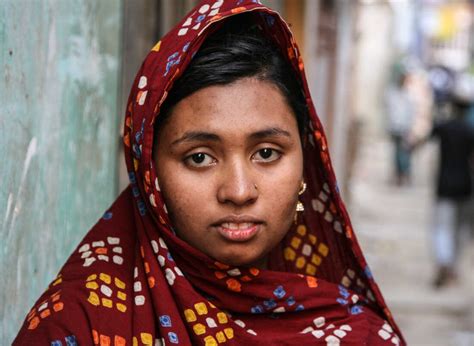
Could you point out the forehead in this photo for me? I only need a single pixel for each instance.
(245, 105)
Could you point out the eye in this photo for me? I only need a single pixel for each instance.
(266, 155)
(199, 160)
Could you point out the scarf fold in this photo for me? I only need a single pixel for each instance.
(132, 281)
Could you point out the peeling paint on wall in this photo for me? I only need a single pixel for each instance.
(59, 86)
(10, 221)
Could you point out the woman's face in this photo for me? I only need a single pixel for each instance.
(230, 164)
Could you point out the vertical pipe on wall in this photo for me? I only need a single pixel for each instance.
(311, 22)
(342, 100)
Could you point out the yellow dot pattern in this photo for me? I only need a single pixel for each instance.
(57, 281)
(316, 260)
(146, 338)
(295, 242)
(93, 298)
(107, 302)
(201, 308)
(305, 251)
(323, 249)
(229, 332)
(289, 254)
(311, 269)
(189, 315)
(119, 283)
(220, 337)
(300, 262)
(301, 230)
(100, 285)
(202, 317)
(199, 328)
(210, 341)
(121, 307)
(105, 278)
(222, 318)
(92, 285)
(157, 47)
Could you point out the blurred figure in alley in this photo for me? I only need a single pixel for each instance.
(399, 221)
(452, 211)
(400, 110)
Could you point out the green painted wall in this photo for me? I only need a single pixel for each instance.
(59, 119)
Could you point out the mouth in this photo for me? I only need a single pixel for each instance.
(238, 229)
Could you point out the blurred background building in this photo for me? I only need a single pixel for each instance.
(67, 67)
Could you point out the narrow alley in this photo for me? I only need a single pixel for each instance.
(392, 224)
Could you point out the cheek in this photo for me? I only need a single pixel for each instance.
(284, 198)
(283, 204)
(179, 216)
(182, 210)
(184, 199)
(287, 178)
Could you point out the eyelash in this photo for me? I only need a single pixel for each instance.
(273, 151)
(189, 159)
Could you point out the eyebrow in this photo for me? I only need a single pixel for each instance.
(202, 136)
(197, 136)
(270, 132)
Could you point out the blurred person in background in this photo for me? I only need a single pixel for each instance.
(452, 210)
(400, 111)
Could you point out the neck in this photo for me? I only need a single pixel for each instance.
(261, 263)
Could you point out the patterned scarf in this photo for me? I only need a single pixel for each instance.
(132, 281)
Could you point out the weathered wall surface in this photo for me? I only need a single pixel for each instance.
(60, 75)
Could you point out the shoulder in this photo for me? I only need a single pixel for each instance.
(57, 318)
(79, 306)
(90, 296)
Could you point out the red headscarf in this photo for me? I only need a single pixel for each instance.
(131, 281)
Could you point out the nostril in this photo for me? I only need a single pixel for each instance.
(238, 194)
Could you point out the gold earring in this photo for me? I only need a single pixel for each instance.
(299, 205)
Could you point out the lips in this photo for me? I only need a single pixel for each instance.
(238, 228)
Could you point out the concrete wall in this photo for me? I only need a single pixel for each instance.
(59, 118)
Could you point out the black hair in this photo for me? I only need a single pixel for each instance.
(238, 49)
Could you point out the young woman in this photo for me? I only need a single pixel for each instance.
(232, 230)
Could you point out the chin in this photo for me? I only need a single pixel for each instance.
(241, 259)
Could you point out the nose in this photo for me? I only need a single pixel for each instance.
(237, 186)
